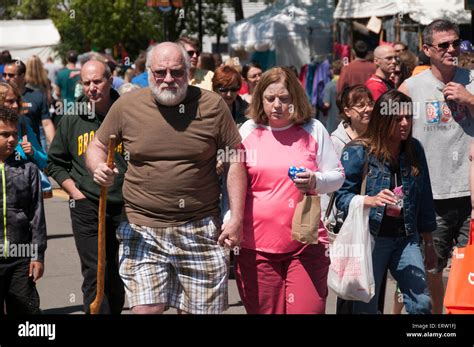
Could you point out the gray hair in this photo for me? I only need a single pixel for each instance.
(438, 25)
(184, 54)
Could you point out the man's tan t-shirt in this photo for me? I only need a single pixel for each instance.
(171, 151)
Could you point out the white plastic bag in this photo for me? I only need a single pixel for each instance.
(351, 275)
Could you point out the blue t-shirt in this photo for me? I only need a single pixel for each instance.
(35, 107)
(141, 79)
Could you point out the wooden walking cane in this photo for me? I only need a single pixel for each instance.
(95, 306)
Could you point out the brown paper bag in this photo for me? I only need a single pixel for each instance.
(306, 218)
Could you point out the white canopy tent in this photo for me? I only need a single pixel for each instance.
(421, 11)
(24, 38)
(296, 30)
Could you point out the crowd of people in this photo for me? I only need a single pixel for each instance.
(201, 173)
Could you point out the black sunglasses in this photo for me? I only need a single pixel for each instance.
(191, 53)
(6, 74)
(225, 90)
(445, 45)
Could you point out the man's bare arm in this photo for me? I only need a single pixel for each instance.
(237, 189)
(70, 187)
(96, 153)
(96, 157)
(49, 130)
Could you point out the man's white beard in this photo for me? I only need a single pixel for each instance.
(169, 97)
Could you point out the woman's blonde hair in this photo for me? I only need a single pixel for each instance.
(7, 86)
(300, 108)
(36, 74)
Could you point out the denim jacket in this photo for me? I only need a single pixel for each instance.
(418, 206)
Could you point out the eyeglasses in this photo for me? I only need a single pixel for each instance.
(445, 45)
(192, 53)
(162, 73)
(230, 89)
(363, 107)
(6, 74)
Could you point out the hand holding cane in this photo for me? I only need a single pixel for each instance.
(95, 306)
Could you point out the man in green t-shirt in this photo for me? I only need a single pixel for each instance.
(67, 79)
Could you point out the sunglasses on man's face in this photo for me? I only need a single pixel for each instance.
(231, 89)
(445, 45)
(192, 53)
(6, 74)
(162, 73)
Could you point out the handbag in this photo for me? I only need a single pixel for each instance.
(351, 274)
(305, 223)
(332, 223)
(459, 297)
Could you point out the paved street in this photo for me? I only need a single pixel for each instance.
(60, 288)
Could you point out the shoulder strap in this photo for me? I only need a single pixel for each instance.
(330, 205)
(363, 187)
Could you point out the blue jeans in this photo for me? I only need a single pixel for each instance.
(403, 257)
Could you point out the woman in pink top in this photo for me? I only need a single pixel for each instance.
(275, 274)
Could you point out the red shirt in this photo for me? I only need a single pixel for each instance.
(356, 72)
(378, 86)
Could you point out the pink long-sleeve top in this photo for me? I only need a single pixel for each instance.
(271, 195)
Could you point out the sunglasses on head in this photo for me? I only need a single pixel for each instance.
(445, 45)
(225, 90)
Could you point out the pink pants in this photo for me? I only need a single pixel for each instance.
(289, 283)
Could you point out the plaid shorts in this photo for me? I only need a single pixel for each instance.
(181, 266)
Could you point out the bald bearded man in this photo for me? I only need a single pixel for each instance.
(172, 244)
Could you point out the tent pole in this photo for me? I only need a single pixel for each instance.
(351, 33)
(397, 28)
(472, 26)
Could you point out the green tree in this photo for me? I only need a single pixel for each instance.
(95, 25)
(25, 9)
(215, 23)
(213, 19)
(99, 24)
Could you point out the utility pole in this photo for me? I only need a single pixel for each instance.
(238, 9)
(469, 6)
